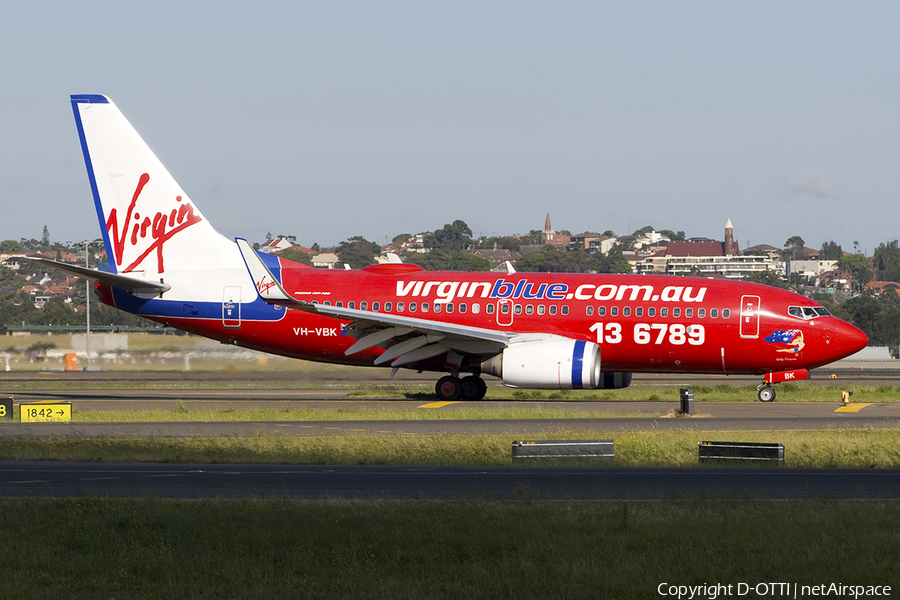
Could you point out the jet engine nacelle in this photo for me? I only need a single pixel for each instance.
(548, 362)
(614, 380)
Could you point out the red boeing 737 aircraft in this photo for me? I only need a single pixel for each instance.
(546, 331)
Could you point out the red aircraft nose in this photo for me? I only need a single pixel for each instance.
(849, 339)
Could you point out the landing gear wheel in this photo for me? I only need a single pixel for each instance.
(448, 388)
(473, 387)
(766, 394)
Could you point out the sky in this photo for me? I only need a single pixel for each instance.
(327, 120)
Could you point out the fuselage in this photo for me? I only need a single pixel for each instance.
(641, 323)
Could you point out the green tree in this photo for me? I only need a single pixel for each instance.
(296, 256)
(11, 246)
(358, 252)
(795, 248)
(767, 277)
(830, 251)
(400, 239)
(452, 236)
(449, 260)
(45, 237)
(674, 236)
(887, 262)
(859, 268)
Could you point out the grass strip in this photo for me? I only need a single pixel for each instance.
(830, 448)
(351, 413)
(421, 549)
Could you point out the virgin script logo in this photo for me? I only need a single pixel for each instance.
(263, 286)
(160, 228)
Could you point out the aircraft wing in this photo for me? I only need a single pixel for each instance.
(405, 339)
(133, 284)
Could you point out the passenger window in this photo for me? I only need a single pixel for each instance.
(664, 312)
(589, 311)
(726, 313)
(676, 312)
(517, 309)
(376, 306)
(639, 311)
(462, 307)
(339, 304)
(504, 308)
(714, 313)
(327, 303)
(626, 312)
(437, 307)
(529, 309)
(601, 311)
(400, 307)
(424, 307)
(614, 311)
(701, 312)
(449, 308)
(476, 308)
(351, 304)
(490, 309)
(388, 306)
(689, 313)
(540, 309)
(364, 306)
(412, 307)
(565, 309)
(552, 309)
(651, 312)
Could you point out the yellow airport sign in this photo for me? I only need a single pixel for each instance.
(46, 413)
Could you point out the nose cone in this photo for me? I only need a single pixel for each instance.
(850, 339)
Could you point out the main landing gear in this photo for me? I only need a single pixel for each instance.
(452, 388)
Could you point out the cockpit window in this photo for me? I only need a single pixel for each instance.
(808, 312)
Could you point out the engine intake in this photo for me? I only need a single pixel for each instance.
(549, 362)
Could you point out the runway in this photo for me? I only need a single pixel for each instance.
(60, 479)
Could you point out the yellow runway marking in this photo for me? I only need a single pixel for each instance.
(853, 407)
(437, 404)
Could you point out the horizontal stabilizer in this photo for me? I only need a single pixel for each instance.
(122, 282)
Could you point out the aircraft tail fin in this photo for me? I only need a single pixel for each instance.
(148, 223)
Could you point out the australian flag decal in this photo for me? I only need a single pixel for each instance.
(788, 337)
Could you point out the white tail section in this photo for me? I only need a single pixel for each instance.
(149, 224)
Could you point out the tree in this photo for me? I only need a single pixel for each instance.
(449, 260)
(453, 236)
(45, 238)
(400, 239)
(767, 277)
(887, 262)
(674, 236)
(796, 248)
(11, 246)
(358, 252)
(858, 266)
(830, 251)
(296, 256)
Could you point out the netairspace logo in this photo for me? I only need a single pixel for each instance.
(773, 590)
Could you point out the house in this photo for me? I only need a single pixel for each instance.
(326, 260)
